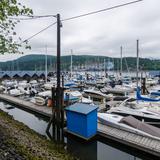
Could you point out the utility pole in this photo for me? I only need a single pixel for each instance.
(57, 93)
(58, 99)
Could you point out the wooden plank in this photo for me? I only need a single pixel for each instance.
(142, 140)
(148, 143)
(153, 144)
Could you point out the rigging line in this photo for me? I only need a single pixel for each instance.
(102, 10)
(38, 32)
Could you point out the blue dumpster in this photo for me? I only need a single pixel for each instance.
(82, 120)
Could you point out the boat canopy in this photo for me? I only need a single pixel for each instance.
(135, 123)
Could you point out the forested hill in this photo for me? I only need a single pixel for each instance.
(37, 62)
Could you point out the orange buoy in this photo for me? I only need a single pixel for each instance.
(49, 103)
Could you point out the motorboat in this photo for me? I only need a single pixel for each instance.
(45, 94)
(129, 124)
(2, 88)
(95, 93)
(151, 82)
(40, 101)
(48, 86)
(118, 89)
(15, 92)
(144, 97)
(142, 113)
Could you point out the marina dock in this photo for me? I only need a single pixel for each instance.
(42, 110)
(144, 143)
(141, 142)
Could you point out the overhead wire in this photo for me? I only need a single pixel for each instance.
(71, 18)
(102, 10)
(26, 40)
(31, 17)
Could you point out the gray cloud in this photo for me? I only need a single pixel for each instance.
(102, 33)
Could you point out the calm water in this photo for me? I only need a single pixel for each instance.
(98, 149)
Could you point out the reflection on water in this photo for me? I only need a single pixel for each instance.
(97, 149)
(109, 152)
(33, 121)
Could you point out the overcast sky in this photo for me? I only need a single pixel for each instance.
(99, 34)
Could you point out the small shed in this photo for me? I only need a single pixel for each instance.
(82, 120)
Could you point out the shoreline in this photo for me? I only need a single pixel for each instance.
(20, 142)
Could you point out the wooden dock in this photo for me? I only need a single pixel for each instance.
(43, 110)
(143, 143)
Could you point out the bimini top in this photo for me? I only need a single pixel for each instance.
(81, 108)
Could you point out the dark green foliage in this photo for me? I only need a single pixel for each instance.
(37, 62)
(8, 9)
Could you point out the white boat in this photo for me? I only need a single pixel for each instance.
(38, 101)
(33, 82)
(96, 93)
(151, 82)
(48, 86)
(9, 83)
(117, 122)
(86, 100)
(15, 92)
(23, 84)
(118, 89)
(45, 94)
(142, 113)
(2, 88)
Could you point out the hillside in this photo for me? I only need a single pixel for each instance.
(37, 62)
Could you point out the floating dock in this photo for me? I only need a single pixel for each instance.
(144, 143)
(23, 104)
(141, 142)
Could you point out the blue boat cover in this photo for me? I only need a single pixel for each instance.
(148, 99)
(155, 93)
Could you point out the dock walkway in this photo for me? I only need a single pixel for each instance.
(43, 110)
(144, 143)
(141, 142)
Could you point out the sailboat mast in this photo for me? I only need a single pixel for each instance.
(121, 62)
(104, 66)
(46, 64)
(137, 71)
(71, 62)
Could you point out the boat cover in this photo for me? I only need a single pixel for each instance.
(135, 123)
(148, 99)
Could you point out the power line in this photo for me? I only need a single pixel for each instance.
(75, 17)
(31, 17)
(38, 33)
(102, 10)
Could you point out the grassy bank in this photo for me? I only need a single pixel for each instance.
(26, 143)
